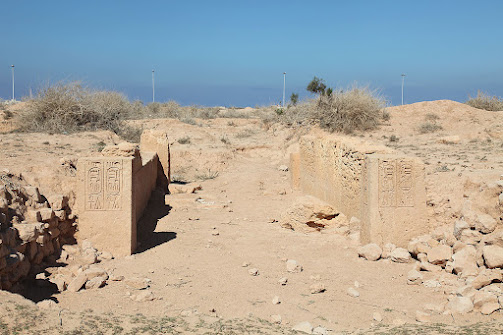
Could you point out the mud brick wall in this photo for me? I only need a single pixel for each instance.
(370, 182)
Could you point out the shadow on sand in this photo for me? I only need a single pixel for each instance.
(156, 209)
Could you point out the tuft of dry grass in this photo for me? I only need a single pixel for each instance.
(429, 127)
(485, 101)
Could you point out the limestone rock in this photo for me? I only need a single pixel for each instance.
(283, 281)
(320, 331)
(77, 283)
(95, 283)
(47, 304)
(439, 255)
(387, 250)
(137, 283)
(353, 293)
(309, 214)
(276, 318)
(276, 300)
(422, 317)
(371, 252)
(481, 298)
(253, 272)
(293, 266)
(143, 296)
(414, 277)
(460, 305)
(465, 262)
(459, 227)
(489, 308)
(493, 256)
(317, 288)
(283, 168)
(123, 149)
(486, 278)
(485, 223)
(95, 271)
(304, 327)
(400, 255)
(377, 316)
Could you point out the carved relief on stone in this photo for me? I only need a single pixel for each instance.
(387, 183)
(405, 183)
(103, 185)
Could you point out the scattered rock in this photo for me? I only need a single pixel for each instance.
(377, 316)
(276, 318)
(485, 223)
(283, 168)
(137, 283)
(276, 300)
(245, 264)
(439, 255)
(293, 266)
(465, 262)
(304, 327)
(283, 281)
(432, 283)
(317, 288)
(253, 272)
(414, 277)
(493, 256)
(96, 282)
(422, 317)
(387, 250)
(47, 304)
(400, 255)
(371, 252)
(77, 283)
(353, 293)
(460, 305)
(143, 296)
(320, 331)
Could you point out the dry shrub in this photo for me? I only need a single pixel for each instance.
(350, 110)
(485, 101)
(429, 127)
(70, 107)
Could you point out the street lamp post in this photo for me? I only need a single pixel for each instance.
(12, 67)
(284, 85)
(403, 82)
(153, 87)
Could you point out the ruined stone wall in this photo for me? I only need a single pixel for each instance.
(369, 182)
(32, 228)
(114, 192)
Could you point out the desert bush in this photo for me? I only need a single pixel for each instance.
(184, 140)
(153, 109)
(485, 101)
(294, 98)
(431, 117)
(70, 107)
(171, 109)
(350, 110)
(429, 127)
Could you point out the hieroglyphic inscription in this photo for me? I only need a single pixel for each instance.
(104, 185)
(395, 183)
(405, 182)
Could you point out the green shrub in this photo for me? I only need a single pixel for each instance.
(485, 101)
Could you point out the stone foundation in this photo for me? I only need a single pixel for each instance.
(385, 192)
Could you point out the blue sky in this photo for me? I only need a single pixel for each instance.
(235, 52)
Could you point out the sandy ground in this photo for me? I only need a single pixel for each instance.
(194, 258)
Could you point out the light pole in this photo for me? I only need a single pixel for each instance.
(284, 85)
(403, 82)
(12, 67)
(153, 87)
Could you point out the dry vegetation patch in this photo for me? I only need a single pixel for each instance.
(485, 101)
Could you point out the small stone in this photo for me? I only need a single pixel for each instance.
(320, 331)
(47, 304)
(77, 283)
(387, 250)
(276, 300)
(116, 278)
(276, 318)
(304, 327)
(283, 168)
(293, 266)
(460, 305)
(105, 255)
(357, 284)
(422, 317)
(143, 296)
(283, 281)
(400, 255)
(485, 223)
(439, 255)
(95, 283)
(317, 288)
(136, 283)
(377, 316)
(432, 283)
(353, 293)
(253, 272)
(215, 233)
(414, 277)
(245, 264)
(371, 252)
(493, 256)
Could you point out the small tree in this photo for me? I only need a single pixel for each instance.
(317, 86)
(294, 98)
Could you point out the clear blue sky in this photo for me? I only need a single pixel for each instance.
(235, 52)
